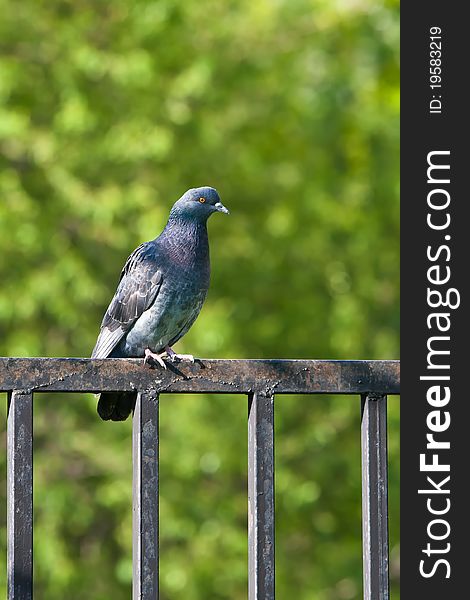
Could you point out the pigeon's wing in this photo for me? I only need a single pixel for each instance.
(138, 287)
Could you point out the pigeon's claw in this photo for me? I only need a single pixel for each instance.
(189, 357)
(156, 357)
(173, 356)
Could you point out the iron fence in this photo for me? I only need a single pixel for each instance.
(260, 380)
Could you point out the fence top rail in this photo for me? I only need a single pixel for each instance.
(204, 375)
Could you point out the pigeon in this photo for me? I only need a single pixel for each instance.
(161, 291)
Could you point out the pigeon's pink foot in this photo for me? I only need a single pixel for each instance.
(156, 357)
(173, 356)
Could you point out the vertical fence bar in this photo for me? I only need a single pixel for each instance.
(20, 495)
(260, 497)
(374, 497)
(145, 497)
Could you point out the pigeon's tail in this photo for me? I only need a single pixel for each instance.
(116, 406)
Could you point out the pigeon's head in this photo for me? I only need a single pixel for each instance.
(197, 204)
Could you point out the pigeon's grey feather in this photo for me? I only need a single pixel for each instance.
(138, 287)
(160, 293)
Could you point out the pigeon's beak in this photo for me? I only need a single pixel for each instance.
(221, 208)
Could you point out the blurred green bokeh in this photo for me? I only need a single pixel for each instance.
(109, 111)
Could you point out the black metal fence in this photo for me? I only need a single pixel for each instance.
(260, 380)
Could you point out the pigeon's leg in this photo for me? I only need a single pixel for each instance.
(173, 356)
(156, 357)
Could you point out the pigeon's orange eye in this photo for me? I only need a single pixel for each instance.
(202, 200)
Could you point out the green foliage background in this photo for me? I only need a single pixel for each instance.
(109, 111)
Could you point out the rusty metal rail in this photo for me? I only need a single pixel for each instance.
(260, 380)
